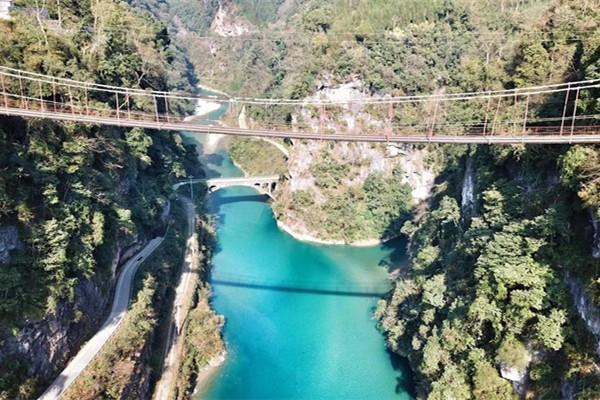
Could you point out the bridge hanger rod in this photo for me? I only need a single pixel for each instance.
(534, 90)
(174, 95)
(31, 98)
(396, 126)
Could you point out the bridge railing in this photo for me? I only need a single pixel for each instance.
(51, 96)
(532, 111)
(549, 110)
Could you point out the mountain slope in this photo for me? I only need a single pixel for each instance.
(81, 198)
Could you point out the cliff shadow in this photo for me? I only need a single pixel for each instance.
(397, 258)
(405, 382)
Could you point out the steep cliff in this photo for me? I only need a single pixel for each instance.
(75, 201)
(339, 192)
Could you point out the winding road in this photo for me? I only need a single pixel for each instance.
(117, 313)
(181, 306)
(182, 303)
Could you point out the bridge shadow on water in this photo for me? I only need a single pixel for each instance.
(217, 199)
(341, 291)
(258, 198)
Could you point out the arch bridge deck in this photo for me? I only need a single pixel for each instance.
(264, 184)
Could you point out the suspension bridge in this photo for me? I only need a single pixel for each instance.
(500, 116)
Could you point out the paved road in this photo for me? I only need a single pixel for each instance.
(181, 305)
(118, 311)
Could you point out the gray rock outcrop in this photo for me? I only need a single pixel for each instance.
(9, 240)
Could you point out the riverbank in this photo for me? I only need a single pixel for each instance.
(195, 345)
(310, 238)
(206, 374)
(354, 196)
(305, 237)
(211, 89)
(181, 304)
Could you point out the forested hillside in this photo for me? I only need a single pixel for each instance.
(488, 291)
(488, 307)
(317, 49)
(76, 199)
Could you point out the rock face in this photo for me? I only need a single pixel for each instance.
(353, 116)
(513, 374)
(5, 6)
(518, 378)
(586, 309)
(467, 204)
(370, 158)
(362, 159)
(417, 174)
(227, 24)
(596, 225)
(46, 345)
(9, 240)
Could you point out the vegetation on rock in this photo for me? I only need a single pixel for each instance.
(257, 157)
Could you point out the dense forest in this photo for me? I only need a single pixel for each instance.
(486, 308)
(78, 196)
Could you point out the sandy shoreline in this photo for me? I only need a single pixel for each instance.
(211, 89)
(208, 372)
(303, 237)
(204, 107)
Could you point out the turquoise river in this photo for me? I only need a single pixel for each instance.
(299, 316)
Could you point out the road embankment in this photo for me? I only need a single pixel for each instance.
(194, 346)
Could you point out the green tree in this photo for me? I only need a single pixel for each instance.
(513, 354)
(434, 290)
(549, 329)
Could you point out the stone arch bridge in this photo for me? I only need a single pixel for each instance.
(263, 184)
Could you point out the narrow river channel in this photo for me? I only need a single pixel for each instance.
(299, 316)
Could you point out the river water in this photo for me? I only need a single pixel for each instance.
(298, 316)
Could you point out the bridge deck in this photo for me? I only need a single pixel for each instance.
(243, 180)
(546, 134)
